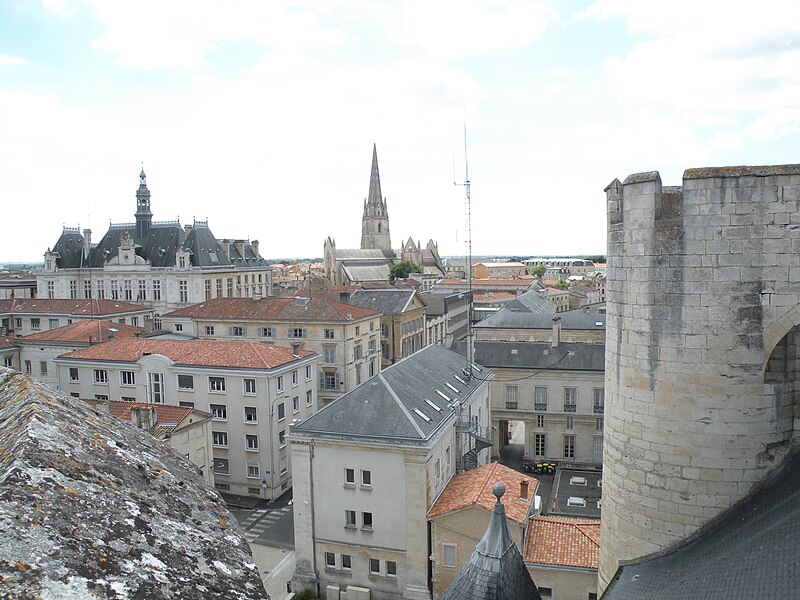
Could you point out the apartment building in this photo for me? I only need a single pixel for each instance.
(446, 316)
(253, 391)
(369, 466)
(346, 337)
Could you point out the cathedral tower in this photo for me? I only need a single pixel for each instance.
(143, 214)
(375, 222)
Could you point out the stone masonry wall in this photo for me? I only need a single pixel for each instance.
(703, 283)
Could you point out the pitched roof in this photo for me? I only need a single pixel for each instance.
(166, 414)
(494, 570)
(86, 331)
(82, 308)
(563, 541)
(571, 319)
(7, 342)
(531, 302)
(536, 355)
(206, 353)
(391, 405)
(390, 302)
(750, 551)
(270, 308)
(474, 488)
(92, 507)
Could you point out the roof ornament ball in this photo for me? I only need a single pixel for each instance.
(498, 489)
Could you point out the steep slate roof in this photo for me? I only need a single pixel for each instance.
(571, 319)
(204, 353)
(385, 406)
(91, 507)
(474, 488)
(367, 272)
(495, 570)
(535, 355)
(390, 302)
(531, 302)
(271, 308)
(751, 551)
(92, 330)
(75, 308)
(563, 541)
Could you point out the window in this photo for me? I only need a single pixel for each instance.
(51, 289)
(366, 478)
(309, 398)
(186, 404)
(308, 373)
(236, 331)
(53, 323)
(73, 288)
(570, 399)
(357, 352)
(183, 291)
(216, 384)
(436, 472)
(229, 287)
(374, 566)
(371, 347)
(28, 367)
(391, 568)
(43, 367)
(127, 378)
(347, 562)
(569, 446)
(570, 422)
(87, 289)
(208, 289)
(251, 442)
(18, 323)
(540, 398)
(349, 476)
(284, 467)
(219, 438)
(209, 330)
(366, 520)
(128, 399)
(249, 387)
(185, 382)
(155, 384)
(546, 592)
(218, 283)
(592, 596)
(100, 375)
(330, 560)
(36, 323)
(295, 404)
(282, 438)
(114, 290)
(281, 411)
(447, 459)
(448, 555)
(511, 397)
(75, 394)
(297, 332)
(250, 414)
(127, 290)
(540, 421)
(142, 291)
(294, 378)
(329, 355)
(599, 395)
(358, 374)
(8, 361)
(600, 423)
(221, 466)
(358, 330)
(539, 444)
(266, 332)
(253, 472)
(101, 396)
(349, 518)
(330, 381)
(371, 368)
(219, 411)
(328, 334)
(280, 383)
(156, 289)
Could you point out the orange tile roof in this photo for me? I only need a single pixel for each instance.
(166, 414)
(87, 331)
(563, 541)
(208, 353)
(97, 307)
(7, 342)
(494, 297)
(520, 282)
(274, 309)
(474, 488)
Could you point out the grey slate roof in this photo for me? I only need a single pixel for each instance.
(495, 569)
(368, 272)
(385, 406)
(374, 254)
(535, 355)
(93, 507)
(531, 302)
(389, 302)
(572, 319)
(751, 552)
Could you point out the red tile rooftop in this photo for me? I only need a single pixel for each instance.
(87, 331)
(68, 307)
(206, 353)
(521, 281)
(165, 413)
(274, 309)
(563, 541)
(474, 488)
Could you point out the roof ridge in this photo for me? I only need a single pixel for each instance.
(401, 405)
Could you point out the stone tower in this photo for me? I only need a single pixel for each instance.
(702, 349)
(143, 214)
(375, 222)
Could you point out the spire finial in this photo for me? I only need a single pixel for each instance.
(498, 489)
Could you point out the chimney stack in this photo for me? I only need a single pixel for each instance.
(87, 242)
(556, 332)
(148, 324)
(187, 229)
(523, 490)
(143, 417)
(295, 349)
(254, 245)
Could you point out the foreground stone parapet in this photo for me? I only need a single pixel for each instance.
(702, 361)
(92, 507)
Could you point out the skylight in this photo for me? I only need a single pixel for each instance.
(423, 415)
(433, 405)
(443, 395)
(452, 387)
(461, 380)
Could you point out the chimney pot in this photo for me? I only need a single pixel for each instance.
(523, 490)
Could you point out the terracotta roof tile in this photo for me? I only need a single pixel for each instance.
(274, 309)
(563, 541)
(247, 355)
(7, 342)
(87, 331)
(97, 307)
(474, 488)
(166, 414)
(521, 282)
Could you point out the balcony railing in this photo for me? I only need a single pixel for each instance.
(512, 405)
(599, 409)
(540, 406)
(569, 408)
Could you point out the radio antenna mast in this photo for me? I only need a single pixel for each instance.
(468, 249)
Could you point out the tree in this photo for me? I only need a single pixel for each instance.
(402, 269)
(538, 270)
(561, 284)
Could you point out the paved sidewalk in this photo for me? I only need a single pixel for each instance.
(276, 567)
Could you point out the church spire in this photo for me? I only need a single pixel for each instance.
(143, 214)
(375, 221)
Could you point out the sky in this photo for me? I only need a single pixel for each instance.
(260, 116)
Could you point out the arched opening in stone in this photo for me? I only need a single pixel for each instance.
(783, 374)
